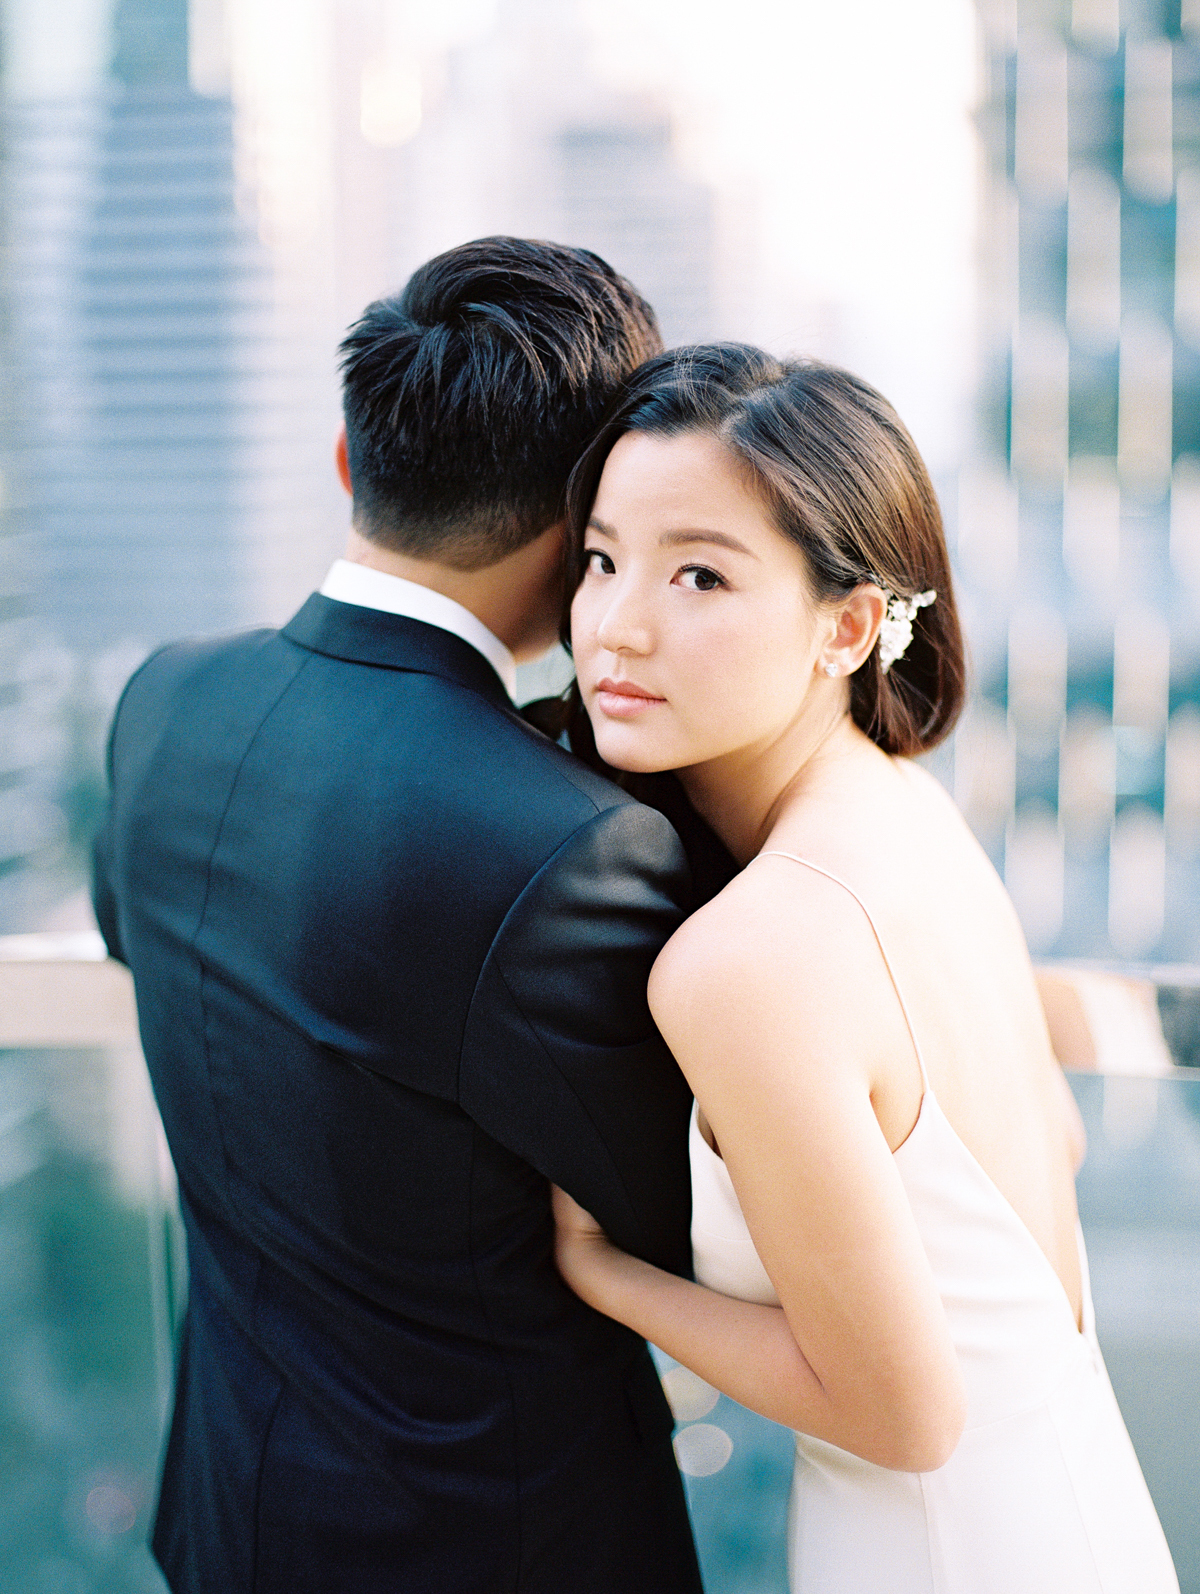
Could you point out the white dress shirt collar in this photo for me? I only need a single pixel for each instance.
(348, 582)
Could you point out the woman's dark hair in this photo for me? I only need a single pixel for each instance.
(469, 395)
(842, 479)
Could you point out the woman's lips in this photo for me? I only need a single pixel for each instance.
(623, 699)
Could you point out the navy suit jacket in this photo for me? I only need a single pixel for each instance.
(390, 946)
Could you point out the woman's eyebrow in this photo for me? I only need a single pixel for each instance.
(676, 539)
(721, 539)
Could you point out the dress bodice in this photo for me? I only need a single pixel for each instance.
(1044, 1493)
(1009, 1316)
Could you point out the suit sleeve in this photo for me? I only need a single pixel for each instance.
(104, 899)
(561, 1060)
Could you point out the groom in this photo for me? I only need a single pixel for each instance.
(390, 947)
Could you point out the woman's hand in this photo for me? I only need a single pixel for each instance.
(580, 1244)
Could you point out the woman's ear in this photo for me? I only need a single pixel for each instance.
(855, 630)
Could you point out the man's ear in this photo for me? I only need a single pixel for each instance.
(341, 459)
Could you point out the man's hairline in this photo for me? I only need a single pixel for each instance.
(439, 554)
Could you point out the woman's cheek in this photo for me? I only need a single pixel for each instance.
(581, 629)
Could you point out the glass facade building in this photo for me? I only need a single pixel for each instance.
(158, 439)
(1079, 528)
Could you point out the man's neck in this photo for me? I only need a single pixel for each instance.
(514, 598)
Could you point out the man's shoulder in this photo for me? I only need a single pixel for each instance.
(513, 786)
(555, 765)
(195, 655)
(526, 812)
(444, 758)
(175, 665)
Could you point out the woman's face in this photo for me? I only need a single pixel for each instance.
(694, 631)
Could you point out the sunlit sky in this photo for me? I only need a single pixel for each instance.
(850, 127)
(853, 123)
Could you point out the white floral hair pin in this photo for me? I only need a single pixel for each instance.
(896, 631)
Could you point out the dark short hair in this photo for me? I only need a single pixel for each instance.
(470, 395)
(842, 478)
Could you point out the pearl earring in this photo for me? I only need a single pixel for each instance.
(831, 669)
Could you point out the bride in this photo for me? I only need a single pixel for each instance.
(884, 1228)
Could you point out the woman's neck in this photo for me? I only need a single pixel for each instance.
(743, 795)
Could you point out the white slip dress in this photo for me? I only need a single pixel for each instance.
(1044, 1494)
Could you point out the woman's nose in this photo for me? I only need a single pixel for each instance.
(624, 625)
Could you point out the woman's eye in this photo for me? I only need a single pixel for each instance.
(598, 562)
(699, 578)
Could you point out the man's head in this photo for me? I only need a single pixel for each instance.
(470, 395)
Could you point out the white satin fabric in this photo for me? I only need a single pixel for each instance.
(1044, 1494)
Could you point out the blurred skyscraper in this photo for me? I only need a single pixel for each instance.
(1079, 530)
(519, 136)
(172, 404)
(198, 196)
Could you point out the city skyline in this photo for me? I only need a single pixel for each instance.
(197, 203)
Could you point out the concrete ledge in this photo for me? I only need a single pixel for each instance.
(49, 997)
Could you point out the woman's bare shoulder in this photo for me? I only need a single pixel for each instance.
(933, 796)
(778, 930)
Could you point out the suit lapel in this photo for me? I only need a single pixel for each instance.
(392, 641)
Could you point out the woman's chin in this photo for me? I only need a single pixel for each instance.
(623, 752)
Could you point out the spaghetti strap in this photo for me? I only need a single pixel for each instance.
(775, 852)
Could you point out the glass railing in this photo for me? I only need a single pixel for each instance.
(92, 1280)
(89, 1286)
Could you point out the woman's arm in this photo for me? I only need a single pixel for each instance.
(1073, 1129)
(744, 1349)
(778, 1008)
